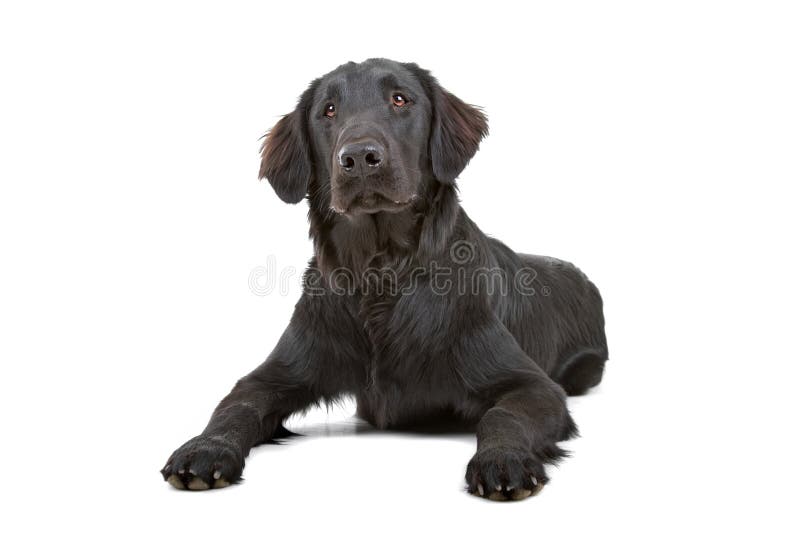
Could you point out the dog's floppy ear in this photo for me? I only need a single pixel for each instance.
(286, 153)
(456, 128)
(457, 131)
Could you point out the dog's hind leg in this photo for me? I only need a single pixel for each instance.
(580, 371)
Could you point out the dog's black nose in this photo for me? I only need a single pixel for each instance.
(361, 157)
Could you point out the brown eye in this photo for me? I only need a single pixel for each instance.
(330, 111)
(399, 100)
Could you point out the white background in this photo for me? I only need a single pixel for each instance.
(654, 145)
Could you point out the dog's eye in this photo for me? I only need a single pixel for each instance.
(330, 111)
(399, 100)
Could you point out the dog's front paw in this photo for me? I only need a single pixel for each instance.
(203, 463)
(502, 474)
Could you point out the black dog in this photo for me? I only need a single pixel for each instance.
(407, 304)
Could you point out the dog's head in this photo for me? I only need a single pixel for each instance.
(369, 137)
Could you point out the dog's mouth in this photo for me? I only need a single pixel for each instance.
(373, 202)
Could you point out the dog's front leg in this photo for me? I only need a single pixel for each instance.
(298, 373)
(516, 437)
(248, 415)
(518, 434)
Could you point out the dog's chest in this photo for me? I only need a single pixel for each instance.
(408, 368)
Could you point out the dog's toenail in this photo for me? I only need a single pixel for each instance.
(216, 475)
(480, 490)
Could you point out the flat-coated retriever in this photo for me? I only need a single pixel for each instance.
(407, 305)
